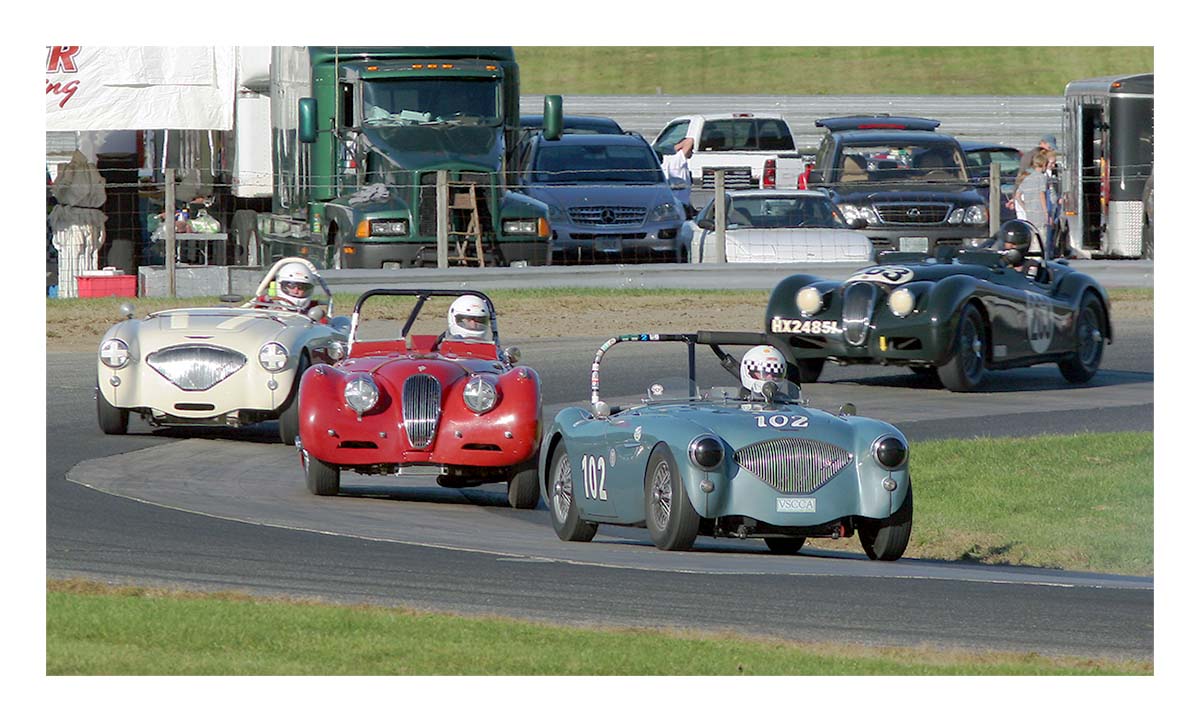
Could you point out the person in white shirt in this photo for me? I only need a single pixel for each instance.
(676, 169)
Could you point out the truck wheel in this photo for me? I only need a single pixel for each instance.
(965, 369)
(289, 414)
(244, 229)
(113, 421)
(672, 521)
(886, 539)
(790, 545)
(321, 479)
(563, 512)
(523, 486)
(1089, 343)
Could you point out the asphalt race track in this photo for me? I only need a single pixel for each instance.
(227, 509)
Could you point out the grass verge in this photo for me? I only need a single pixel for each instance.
(101, 630)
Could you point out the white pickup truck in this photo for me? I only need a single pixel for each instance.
(756, 150)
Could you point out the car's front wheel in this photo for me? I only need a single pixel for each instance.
(886, 539)
(523, 486)
(289, 415)
(113, 421)
(1089, 343)
(563, 512)
(965, 369)
(672, 521)
(322, 479)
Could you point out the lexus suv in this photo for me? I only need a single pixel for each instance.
(908, 182)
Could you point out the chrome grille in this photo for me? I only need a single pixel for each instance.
(196, 368)
(607, 215)
(793, 466)
(735, 179)
(913, 213)
(422, 406)
(858, 305)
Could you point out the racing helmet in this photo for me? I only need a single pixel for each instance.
(1018, 233)
(295, 283)
(760, 365)
(468, 317)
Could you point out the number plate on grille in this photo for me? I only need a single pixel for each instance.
(919, 244)
(792, 505)
(612, 245)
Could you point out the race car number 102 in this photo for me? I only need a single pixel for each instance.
(593, 478)
(781, 421)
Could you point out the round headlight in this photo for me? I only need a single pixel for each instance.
(810, 301)
(337, 350)
(114, 353)
(902, 302)
(890, 452)
(479, 395)
(706, 452)
(273, 357)
(361, 393)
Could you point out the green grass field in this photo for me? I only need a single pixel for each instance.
(820, 70)
(96, 630)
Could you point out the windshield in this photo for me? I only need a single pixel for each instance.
(787, 392)
(596, 163)
(781, 212)
(901, 163)
(431, 100)
(749, 134)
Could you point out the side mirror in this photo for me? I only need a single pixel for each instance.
(601, 410)
(512, 355)
(858, 223)
(316, 313)
(847, 409)
(126, 310)
(770, 389)
(706, 224)
(307, 125)
(552, 117)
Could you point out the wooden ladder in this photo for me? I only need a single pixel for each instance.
(461, 202)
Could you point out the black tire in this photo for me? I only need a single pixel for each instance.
(887, 539)
(1089, 342)
(560, 495)
(113, 421)
(789, 545)
(672, 521)
(321, 479)
(523, 492)
(244, 235)
(966, 367)
(289, 415)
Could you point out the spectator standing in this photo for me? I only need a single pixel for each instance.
(1048, 143)
(679, 174)
(1031, 194)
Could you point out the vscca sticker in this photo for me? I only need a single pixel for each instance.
(795, 505)
(894, 275)
(811, 327)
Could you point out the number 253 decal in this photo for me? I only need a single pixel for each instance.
(593, 478)
(781, 421)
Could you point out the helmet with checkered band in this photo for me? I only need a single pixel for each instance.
(468, 317)
(295, 284)
(760, 365)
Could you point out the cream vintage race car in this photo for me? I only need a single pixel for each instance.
(223, 366)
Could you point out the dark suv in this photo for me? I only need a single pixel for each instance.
(909, 183)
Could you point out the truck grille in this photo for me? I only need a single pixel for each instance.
(913, 213)
(793, 466)
(607, 215)
(735, 179)
(422, 406)
(196, 368)
(858, 305)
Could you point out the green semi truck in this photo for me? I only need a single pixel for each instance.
(358, 136)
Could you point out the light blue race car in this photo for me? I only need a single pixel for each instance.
(726, 462)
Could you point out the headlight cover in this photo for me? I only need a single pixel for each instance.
(272, 357)
(479, 395)
(902, 302)
(389, 228)
(521, 228)
(706, 452)
(851, 212)
(361, 393)
(976, 215)
(663, 212)
(890, 452)
(114, 353)
(810, 301)
(557, 215)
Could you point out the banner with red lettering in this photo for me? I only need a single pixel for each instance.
(136, 88)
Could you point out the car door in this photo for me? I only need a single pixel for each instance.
(626, 469)
(1026, 321)
(589, 453)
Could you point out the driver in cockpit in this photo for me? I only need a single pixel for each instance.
(294, 289)
(760, 365)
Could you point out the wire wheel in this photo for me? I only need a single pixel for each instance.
(965, 368)
(561, 493)
(562, 489)
(1089, 343)
(660, 495)
(1090, 337)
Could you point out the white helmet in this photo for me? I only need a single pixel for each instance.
(468, 317)
(760, 365)
(295, 284)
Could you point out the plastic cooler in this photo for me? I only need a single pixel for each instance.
(97, 286)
